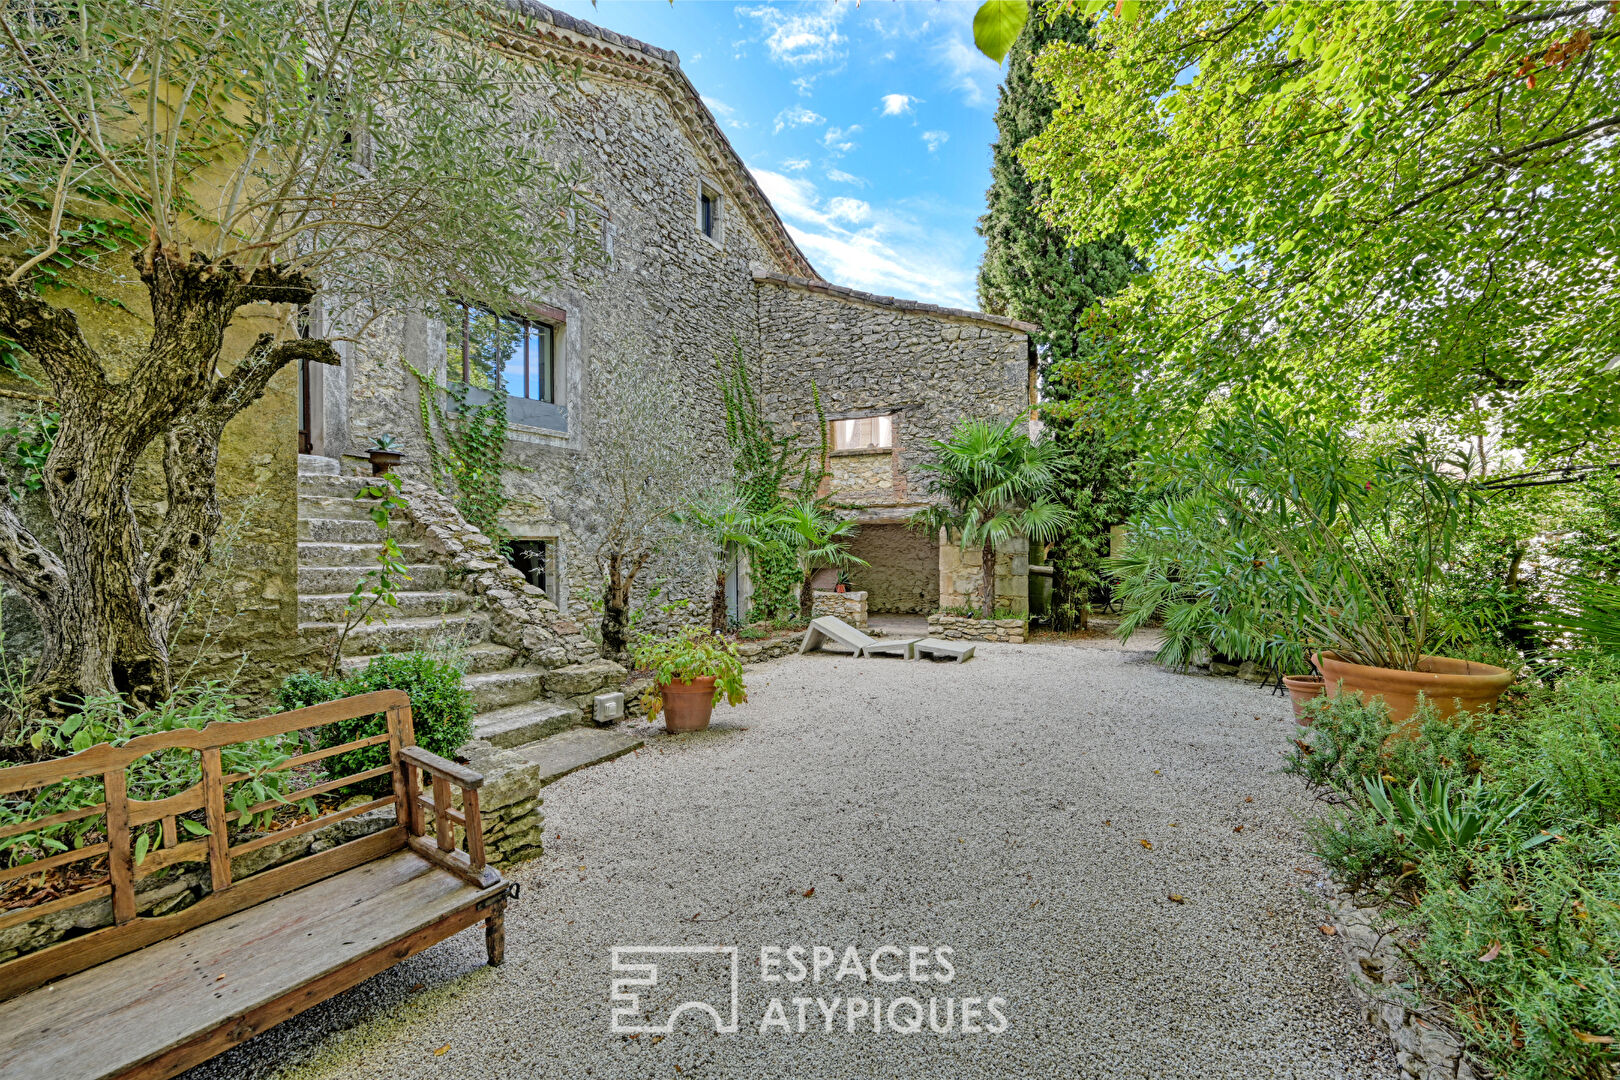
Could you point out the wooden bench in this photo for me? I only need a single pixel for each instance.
(149, 995)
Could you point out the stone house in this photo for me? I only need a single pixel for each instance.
(698, 264)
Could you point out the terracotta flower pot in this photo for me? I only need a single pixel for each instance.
(688, 705)
(1303, 689)
(1452, 685)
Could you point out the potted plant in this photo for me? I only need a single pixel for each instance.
(384, 454)
(692, 672)
(843, 582)
(1339, 548)
(1302, 689)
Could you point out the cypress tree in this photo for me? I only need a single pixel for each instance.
(1032, 272)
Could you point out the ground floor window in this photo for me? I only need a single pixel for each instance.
(533, 560)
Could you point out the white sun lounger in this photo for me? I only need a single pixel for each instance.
(832, 628)
(903, 647)
(960, 651)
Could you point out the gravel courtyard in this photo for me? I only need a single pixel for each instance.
(1002, 808)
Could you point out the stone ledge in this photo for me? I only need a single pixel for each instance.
(965, 628)
(1426, 1045)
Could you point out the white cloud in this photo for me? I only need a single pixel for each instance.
(804, 34)
(796, 116)
(970, 71)
(838, 141)
(935, 139)
(881, 250)
(795, 164)
(839, 176)
(724, 112)
(843, 208)
(804, 85)
(898, 104)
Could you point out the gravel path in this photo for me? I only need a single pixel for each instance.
(998, 808)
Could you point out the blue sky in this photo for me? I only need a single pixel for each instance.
(868, 126)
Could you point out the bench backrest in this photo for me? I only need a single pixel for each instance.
(193, 826)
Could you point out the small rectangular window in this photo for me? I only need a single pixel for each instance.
(516, 353)
(866, 433)
(533, 560)
(708, 214)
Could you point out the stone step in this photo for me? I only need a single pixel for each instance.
(331, 579)
(345, 507)
(329, 556)
(572, 750)
(328, 607)
(401, 635)
(313, 465)
(481, 657)
(349, 531)
(519, 724)
(493, 690)
(342, 487)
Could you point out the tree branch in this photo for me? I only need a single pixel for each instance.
(28, 566)
(51, 335)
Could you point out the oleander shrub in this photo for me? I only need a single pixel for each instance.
(441, 710)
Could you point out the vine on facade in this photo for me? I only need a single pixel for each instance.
(470, 466)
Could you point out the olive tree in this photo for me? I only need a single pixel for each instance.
(206, 155)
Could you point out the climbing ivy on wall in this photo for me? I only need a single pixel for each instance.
(766, 464)
(471, 464)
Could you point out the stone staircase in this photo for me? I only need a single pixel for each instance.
(518, 729)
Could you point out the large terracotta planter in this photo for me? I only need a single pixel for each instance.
(688, 705)
(1452, 685)
(1303, 689)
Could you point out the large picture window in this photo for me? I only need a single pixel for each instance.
(511, 353)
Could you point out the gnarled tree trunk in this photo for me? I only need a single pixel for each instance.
(105, 602)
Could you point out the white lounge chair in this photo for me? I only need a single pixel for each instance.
(960, 651)
(902, 647)
(832, 628)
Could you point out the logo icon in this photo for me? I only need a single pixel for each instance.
(636, 975)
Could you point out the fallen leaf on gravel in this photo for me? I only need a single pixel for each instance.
(1491, 953)
(1108, 823)
(441, 1051)
(1588, 1037)
(1248, 798)
(1302, 870)
(418, 986)
(1173, 825)
(1237, 828)
(811, 891)
(1146, 843)
(1328, 930)
(656, 1039)
(1178, 898)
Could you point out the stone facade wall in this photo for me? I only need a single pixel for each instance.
(931, 367)
(902, 571)
(1426, 1045)
(849, 606)
(961, 575)
(962, 628)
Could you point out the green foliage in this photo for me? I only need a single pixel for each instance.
(380, 585)
(1498, 843)
(1302, 537)
(441, 710)
(996, 25)
(817, 538)
(471, 465)
(693, 653)
(772, 471)
(31, 439)
(994, 484)
(1032, 271)
(1385, 210)
(108, 719)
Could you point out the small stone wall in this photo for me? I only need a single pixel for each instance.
(849, 606)
(509, 803)
(961, 574)
(961, 627)
(757, 652)
(1426, 1047)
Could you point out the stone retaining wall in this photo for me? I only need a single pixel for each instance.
(963, 628)
(1426, 1046)
(849, 606)
(509, 803)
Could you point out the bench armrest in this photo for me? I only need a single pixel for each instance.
(434, 765)
(470, 865)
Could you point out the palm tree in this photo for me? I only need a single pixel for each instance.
(994, 484)
(818, 538)
(721, 519)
